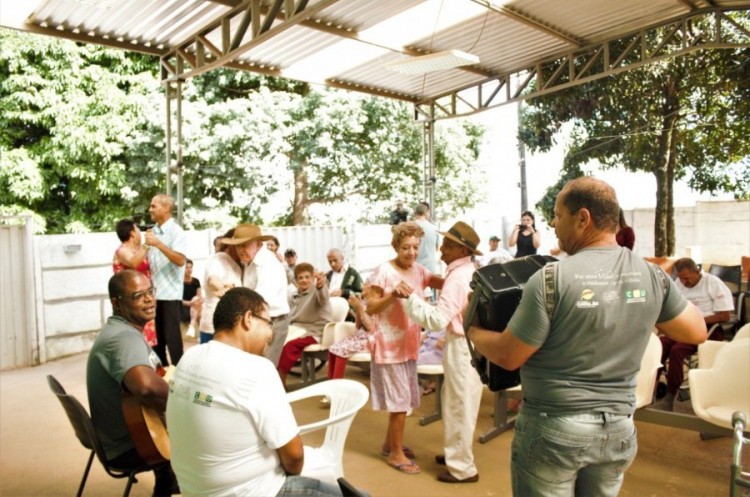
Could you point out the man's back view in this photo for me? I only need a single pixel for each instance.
(575, 433)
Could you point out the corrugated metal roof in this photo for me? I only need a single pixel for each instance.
(349, 43)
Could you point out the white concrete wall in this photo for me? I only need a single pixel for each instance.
(73, 272)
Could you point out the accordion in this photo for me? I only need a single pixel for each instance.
(497, 290)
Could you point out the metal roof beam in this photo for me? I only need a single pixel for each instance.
(593, 62)
(232, 46)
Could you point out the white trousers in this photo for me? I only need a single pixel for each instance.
(462, 394)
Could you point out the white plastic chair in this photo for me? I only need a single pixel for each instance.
(646, 378)
(707, 350)
(319, 351)
(718, 392)
(339, 309)
(347, 398)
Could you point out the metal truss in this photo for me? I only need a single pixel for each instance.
(256, 22)
(704, 29)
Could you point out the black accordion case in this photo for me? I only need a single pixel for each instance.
(497, 290)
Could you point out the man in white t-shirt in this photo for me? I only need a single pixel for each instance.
(496, 254)
(231, 429)
(712, 297)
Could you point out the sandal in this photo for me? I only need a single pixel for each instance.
(407, 452)
(409, 468)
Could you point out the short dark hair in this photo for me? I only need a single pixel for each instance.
(233, 305)
(124, 228)
(302, 268)
(597, 197)
(421, 209)
(117, 283)
(290, 253)
(188, 261)
(686, 263)
(276, 241)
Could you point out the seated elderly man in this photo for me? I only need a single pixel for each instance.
(231, 428)
(311, 310)
(714, 300)
(342, 279)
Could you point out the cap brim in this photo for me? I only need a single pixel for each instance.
(240, 241)
(450, 235)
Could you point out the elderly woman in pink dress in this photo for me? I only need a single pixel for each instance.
(394, 343)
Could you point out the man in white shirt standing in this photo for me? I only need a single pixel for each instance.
(265, 274)
(712, 297)
(167, 261)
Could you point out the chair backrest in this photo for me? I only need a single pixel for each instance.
(730, 275)
(79, 418)
(743, 332)
(347, 398)
(646, 379)
(335, 331)
(339, 309)
(731, 354)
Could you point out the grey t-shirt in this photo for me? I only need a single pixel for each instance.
(589, 355)
(118, 348)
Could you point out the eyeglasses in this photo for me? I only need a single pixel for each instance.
(269, 322)
(139, 296)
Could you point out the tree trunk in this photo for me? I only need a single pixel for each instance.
(664, 237)
(301, 196)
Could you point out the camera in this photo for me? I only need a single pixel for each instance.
(346, 294)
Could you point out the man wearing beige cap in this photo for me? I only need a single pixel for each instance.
(266, 275)
(462, 390)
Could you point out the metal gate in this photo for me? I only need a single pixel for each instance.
(18, 337)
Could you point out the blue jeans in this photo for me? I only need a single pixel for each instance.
(206, 337)
(582, 455)
(301, 486)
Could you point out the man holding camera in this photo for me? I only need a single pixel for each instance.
(580, 356)
(167, 262)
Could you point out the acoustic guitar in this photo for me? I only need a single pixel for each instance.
(147, 429)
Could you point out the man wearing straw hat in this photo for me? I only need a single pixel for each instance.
(462, 390)
(266, 275)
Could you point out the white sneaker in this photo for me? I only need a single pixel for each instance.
(190, 332)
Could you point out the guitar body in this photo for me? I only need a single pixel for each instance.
(147, 429)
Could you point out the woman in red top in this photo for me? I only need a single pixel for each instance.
(132, 254)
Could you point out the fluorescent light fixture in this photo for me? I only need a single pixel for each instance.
(437, 61)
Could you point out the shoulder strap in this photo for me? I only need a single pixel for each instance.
(550, 288)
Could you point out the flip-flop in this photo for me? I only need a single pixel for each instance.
(407, 452)
(410, 468)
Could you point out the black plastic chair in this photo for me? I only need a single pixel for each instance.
(730, 275)
(87, 435)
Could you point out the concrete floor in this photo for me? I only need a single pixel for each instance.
(40, 456)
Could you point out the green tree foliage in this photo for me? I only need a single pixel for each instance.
(66, 112)
(684, 117)
(83, 142)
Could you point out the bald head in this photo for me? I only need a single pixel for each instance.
(161, 207)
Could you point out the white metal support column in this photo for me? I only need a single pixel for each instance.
(428, 158)
(174, 164)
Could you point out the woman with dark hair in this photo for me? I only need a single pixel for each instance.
(625, 235)
(132, 254)
(394, 341)
(525, 235)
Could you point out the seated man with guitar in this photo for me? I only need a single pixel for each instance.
(122, 368)
(232, 430)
